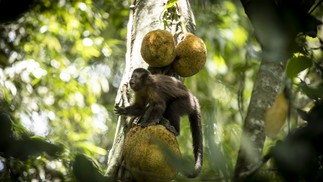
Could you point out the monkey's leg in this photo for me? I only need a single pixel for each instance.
(144, 121)
(174, 123)
(173, 115)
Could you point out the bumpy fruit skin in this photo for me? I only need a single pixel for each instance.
(191, 56)
(144, 157)
(158, 48)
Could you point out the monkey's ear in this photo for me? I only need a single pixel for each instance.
(146, 73)
(303, 114)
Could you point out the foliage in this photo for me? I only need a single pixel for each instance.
(58, 62)
(227, 73)
(232, 64)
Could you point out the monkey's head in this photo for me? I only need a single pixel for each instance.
(138, 79)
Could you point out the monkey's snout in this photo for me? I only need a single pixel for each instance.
(131, 83)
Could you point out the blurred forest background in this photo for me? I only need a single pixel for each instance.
(61, 63)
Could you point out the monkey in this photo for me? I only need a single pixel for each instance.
(166, 97)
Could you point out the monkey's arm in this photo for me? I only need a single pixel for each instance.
(156, 108)
(133, 110)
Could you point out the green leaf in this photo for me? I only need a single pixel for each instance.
(297, 64)
(91, 147)
(171, 3)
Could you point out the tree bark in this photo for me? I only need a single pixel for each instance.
(145, 16)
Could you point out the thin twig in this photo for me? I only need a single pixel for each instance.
(311, 11)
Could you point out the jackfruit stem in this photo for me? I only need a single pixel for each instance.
(183, 27)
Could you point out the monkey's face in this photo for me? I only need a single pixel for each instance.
(137, 81)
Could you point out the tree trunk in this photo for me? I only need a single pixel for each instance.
(269, 81)
(145, 16)
(275, 42)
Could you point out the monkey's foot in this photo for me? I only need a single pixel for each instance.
(168, 126)
(171, 129)
(145, 124)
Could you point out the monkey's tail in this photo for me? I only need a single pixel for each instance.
(196, 130)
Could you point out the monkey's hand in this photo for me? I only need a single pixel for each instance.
(120, 110)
